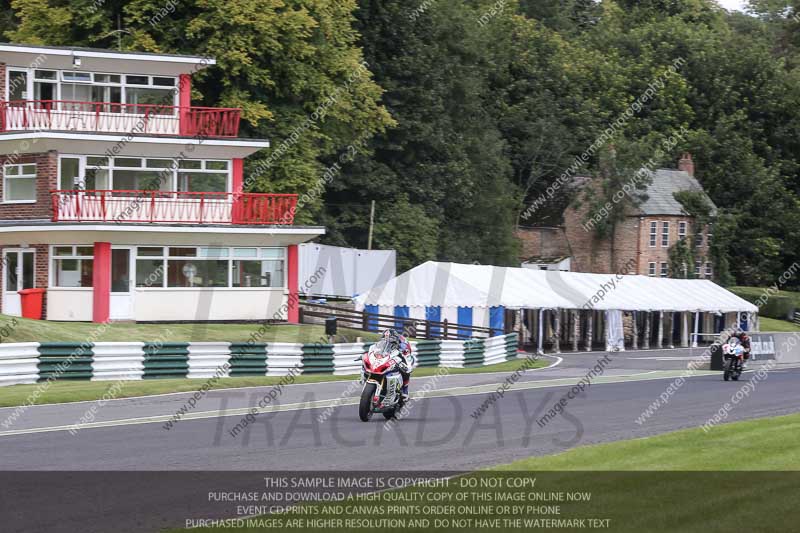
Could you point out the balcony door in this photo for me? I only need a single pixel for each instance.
(123, 277)
(19, 273)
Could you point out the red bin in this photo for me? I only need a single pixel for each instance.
(32, 303)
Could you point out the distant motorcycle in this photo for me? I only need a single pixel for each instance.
(733, 354)
(382, 392)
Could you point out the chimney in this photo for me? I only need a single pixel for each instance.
(686, 164)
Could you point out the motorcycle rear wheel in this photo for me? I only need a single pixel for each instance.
(365, 405)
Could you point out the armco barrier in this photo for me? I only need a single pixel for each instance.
(166, 360)
(248, 359)
(118, 360)
(30, 362)
(65, 360)
(283, 357)
(209, 359)
(19, 363)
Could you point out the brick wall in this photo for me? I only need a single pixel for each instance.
(3, 81)
(631, 244)
(46, 180)
(589, 254)
(542, 242)
(660, 254)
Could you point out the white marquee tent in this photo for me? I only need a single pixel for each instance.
(460, 285)
(450, 287)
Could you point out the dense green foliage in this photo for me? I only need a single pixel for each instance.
(464, 113)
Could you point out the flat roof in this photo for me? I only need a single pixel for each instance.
(101, 60)
(103, 52)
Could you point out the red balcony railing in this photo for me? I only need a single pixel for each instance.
(173, 207)
(105, 117)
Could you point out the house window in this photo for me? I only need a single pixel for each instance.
(698, 241)
(265, 271)
(665, 234)
(709, 270)
(19, 183)
(708, 237)
(209, 267)
(72, 266)
(653, 233)
(144, 174)
(76, 90)
(697, 271)
(664, 270)
(651, 269)
(681, 230)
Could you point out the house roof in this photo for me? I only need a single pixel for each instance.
(101, 52)
(661, 192)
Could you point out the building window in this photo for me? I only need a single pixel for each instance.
(697, 272)
(708, 237)
(665, 234)
(144, 174)
(681, 230)
(653, 234)
(80, 91)
(698, 239)
(19, 183)
(72, 266)
(664, 270)
(651, 269)
(209, 267)
(709, 270)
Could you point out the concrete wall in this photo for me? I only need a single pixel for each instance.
(70, 304)
(208, 304)
(787, 347)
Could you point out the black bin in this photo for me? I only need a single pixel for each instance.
(716, 356)
(330, 325)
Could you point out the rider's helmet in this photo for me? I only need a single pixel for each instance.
(391, 334)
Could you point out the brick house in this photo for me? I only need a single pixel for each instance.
(126, 202)
(641, 242)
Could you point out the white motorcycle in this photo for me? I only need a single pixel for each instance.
(383, 383)
(733, 353)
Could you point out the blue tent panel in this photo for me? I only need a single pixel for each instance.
(372, 323)
(465, 319)
(434, 314)
(497, 320)
(400, 313)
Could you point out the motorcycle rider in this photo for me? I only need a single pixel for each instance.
(744, 340)
(406, 364)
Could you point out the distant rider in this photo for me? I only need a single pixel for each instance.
(744, 340)
(406, 364)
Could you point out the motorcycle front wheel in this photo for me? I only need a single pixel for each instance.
(727, 374)
(365, 405)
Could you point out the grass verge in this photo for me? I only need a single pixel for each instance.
(27, 330)
(774, 325)
(75, 391)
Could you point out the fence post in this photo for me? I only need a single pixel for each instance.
(445, 333)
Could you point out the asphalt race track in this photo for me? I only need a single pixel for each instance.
(439, 433)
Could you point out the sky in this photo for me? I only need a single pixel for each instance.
(732, 4)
